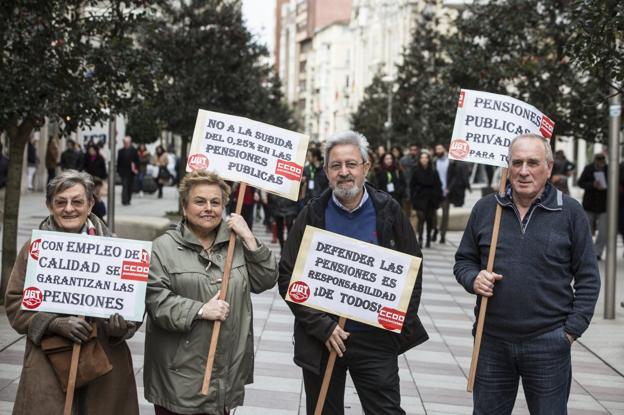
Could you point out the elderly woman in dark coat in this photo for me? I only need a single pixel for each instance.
(69, 199)
(426, 194)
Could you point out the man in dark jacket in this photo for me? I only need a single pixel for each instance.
(356, 210)
(594, 181)
(543, 288)
(72, 157)
(127, 167)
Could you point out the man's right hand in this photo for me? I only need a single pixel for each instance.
(484, 283)
(335, 342)
(74, 328)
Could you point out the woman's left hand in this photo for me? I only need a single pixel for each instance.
(117, 326)
(236, 223)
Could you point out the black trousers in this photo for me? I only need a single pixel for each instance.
(126, 189)
(371, 359)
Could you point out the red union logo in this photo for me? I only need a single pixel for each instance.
(34, 249)
(289, 169)
(299, 292)
(390, 318)
(460, 103)
(145, 257)
(135, 271)
(459, 149)
(198, 161)
(547, 126)
(32, 298)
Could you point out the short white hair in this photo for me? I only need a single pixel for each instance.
(347, 137)
(545, 142)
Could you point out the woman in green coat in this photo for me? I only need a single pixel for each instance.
(185, 276)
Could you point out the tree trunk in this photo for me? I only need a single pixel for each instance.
(182, 167)
(18, 138)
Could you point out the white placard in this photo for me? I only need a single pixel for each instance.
(486, 123)
(353, 279)
(243, 150)
(69, 273)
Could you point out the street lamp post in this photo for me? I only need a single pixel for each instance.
(389, 80)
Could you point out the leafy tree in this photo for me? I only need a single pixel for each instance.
(65, 60)
(372, 113)
(142, 123)
(210, 61)
(519, 48)
(425, 102)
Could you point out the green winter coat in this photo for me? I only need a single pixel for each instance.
(183, 276)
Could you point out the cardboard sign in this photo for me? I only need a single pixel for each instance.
(78, 274)
(486, 123)
(243, 150)
(353, 279)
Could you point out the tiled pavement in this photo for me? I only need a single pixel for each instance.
(433, 375)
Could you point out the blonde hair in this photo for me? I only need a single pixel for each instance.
(197, 177)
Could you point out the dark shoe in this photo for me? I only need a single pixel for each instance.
(428, 244)
(442, 240)
(435, 235)
(420, 240)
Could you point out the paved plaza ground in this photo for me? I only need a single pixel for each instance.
(433, 375)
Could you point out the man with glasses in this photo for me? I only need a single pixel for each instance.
(543, 288)
(354, 209)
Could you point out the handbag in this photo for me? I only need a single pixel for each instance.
(92, 362)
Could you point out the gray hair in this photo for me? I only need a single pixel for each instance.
(67, 179)
(547, 150)
(347, 137)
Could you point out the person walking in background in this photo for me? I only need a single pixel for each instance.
(72, 158)
(127, 168)
(144, 159)
(562, 169)
(94, 163)
(426, 193)
(162, 162)
(541, 292)
(354, 209)
(249, 200)
(284, 211)
(314, 179)
(390, 178)
(594, 181)
(52, 157)
(31, 162)
(408, 162)
(99, 207)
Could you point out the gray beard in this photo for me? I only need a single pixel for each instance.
(346, 194)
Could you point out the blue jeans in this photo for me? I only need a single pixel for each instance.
(542, 362)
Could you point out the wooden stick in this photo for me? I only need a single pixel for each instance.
(216, 328)
(71, 381)
(484, 300)
(328, 373)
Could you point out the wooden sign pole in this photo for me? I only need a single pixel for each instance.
(328, 373)
(484, 300)
(216, 328)
(71, 381)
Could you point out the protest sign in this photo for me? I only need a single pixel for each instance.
(353, 279)
(69, 273)
(486, 123)
(243, 150)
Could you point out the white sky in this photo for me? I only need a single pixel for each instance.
(259, 18)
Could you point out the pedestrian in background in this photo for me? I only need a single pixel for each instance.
(94, 163)
(32, 159)
(541, 292)
(162, 162)
(426, 193)
(144, 159)
(183, 303)
(594, 181)
(408, 162)
(52, 157)
(390, 178)
(72, 158)
(284, 211)
(562, 169)
(127, 168)
(314, 179)
(69, 199)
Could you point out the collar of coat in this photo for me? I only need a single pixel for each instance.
(184, 236)
(550, 199)
(48, 224)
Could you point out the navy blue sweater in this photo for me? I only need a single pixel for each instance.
(550, 273)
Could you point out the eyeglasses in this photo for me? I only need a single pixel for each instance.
(62, 203)
(350, 165)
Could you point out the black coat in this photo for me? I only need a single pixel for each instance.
(125, 158)
(397, 178)
(313, 327)
(71, 159)
(594, 200)
(457, 181)
(425, 189)
(96, 167)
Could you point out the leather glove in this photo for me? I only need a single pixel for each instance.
(74, 328)
(117, 326)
